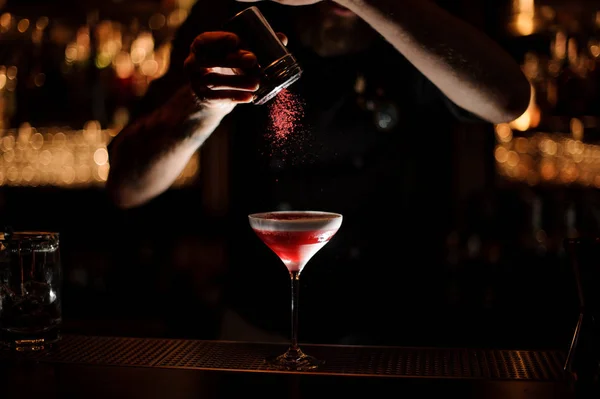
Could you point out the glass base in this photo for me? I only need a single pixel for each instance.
(29, 342)
(294, 360)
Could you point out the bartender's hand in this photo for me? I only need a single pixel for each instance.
(220, 72)
(286, 2)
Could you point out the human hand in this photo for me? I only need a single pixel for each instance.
(221, 72)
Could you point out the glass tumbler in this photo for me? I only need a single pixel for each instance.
(30, 290)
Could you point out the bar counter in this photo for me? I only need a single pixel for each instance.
(119, 367)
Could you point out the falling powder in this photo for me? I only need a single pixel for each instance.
(289, 136)
(286, 112)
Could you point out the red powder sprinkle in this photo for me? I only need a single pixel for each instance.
(286, 112)
(287, 133)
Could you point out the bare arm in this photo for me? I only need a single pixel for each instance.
(181, 109)
(468, 67)
(148, 154)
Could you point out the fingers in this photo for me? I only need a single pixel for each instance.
(217, 81)
(239, 59)
(208, 96)
(220, 70)
(215, 42)
(230, 95)
(222, 49)
(211, 86)
(219, 49)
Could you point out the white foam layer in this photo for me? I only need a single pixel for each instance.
(261, 221)
(305, 252)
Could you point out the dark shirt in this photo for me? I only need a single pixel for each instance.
(381, 157)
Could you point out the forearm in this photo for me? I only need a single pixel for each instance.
(469, 68)
(149, 154)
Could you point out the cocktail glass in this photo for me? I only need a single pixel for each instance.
(295, 237)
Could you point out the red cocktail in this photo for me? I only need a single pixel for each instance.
(295, 236)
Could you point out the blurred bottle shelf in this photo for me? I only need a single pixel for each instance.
(63, 157)
(70, 73)
(556, 140)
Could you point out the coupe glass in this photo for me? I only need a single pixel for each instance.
(295, 237)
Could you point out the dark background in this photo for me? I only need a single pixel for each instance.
(152, 271)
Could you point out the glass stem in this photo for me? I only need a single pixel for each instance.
(295, 276)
